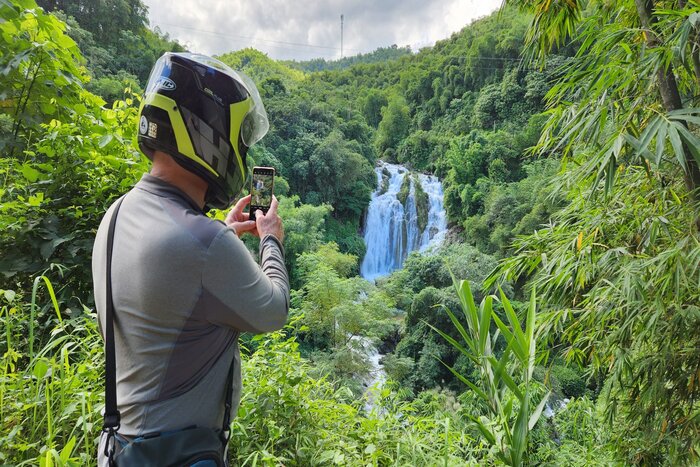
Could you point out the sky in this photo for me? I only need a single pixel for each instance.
(286, 29)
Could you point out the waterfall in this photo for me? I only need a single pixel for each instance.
(391, 228)
(436, 229)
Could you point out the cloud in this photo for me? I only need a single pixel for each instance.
(303, 30)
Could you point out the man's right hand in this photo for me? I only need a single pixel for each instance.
(270, 223)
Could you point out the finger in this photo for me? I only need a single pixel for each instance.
(234, 216)
(238, 208)
(241, 227)
(273, 204)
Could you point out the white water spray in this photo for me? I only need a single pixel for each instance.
(391, 229)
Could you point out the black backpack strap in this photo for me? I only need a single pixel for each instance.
(226, 428)
(112, 417)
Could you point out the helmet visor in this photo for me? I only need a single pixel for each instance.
(255, 123)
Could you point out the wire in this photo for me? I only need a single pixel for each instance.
(217, 33)
(298, 44)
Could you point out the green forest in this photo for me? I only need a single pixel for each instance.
(558, 323)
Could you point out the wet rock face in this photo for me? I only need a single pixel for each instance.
(406, 213)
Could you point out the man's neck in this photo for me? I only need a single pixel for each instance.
(165, 168)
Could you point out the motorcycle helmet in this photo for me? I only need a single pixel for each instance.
(206, 116)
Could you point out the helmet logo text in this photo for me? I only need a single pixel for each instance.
(143, 125)
(166, 84)
(152, 130)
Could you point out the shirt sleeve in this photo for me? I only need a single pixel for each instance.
(241, 294)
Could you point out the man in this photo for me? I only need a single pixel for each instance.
(184, 286)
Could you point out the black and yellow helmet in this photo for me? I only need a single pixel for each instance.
(206, 116)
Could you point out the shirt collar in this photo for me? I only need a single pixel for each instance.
(160, 187)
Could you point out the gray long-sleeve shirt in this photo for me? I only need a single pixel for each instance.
(184, 287)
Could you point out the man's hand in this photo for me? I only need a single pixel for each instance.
(270, 223)
(239, 220)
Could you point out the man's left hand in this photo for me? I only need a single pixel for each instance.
(239, 220)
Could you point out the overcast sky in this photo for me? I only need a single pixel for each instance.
(286, 29)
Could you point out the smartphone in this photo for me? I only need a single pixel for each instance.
(261, 187)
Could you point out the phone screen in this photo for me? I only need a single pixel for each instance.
(261, 189)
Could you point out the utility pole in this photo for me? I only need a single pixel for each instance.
(341, 36)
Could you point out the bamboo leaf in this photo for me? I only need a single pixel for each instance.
(610, 174)
(677, 145)
(454, 343)
(649, 132)
(462, 332)
(691, 141)
(660, 143)
(535, 416)
(485, 322)
(500, 371)
(513, 319)
(484, 430)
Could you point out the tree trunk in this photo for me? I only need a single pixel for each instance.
(668, 88)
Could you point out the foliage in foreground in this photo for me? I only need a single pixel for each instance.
(51, 398)
(621, 278)
(506, 385)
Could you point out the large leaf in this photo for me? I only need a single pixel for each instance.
(535, 416)
(453, 343)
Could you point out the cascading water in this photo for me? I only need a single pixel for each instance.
(436, 229)
(391, 228)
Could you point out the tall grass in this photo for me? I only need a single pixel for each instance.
(50, 393)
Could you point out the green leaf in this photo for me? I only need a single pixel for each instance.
(30, 173)
(484, 430)
(530, 323)
(67, 450)
(9, 295)
(485, 323)
(501, 372)
(105, 140)
(41, 368)
(460, 328)
(519, 344)
(453, 342)
(471, 385)
(36, 200)
(510, 338)
(610, 174)
(691, 141)
(520, 431)
(47, 108)
(538, 411)
(47, 248)
(677, 145)
(468, 304)
(660, 143)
